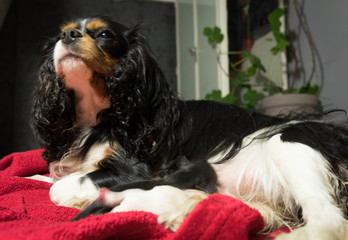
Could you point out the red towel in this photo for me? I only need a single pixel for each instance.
(26, 212)
(23, 164)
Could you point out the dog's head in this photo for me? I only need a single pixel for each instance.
(97, 73)
(96, 42)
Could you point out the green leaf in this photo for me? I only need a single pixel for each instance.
(295, 90)
(273, 90)
(314, 90)
(245, 54)
(216, 30)
(274, 17)
(214, 95)
(214, 35)
(254, 60)
(309, 89)
(207, 31)
(251, 70)
(242, 105)
(252, 97)
(218, 36)
(229, 98)
(241, 79)
(281, 40)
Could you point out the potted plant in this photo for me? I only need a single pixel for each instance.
(274, 99)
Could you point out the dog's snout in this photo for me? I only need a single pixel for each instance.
(70, 35)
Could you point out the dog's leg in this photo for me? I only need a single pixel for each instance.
(170, 204)
(74, 191)
(199, 175)
(309, 181)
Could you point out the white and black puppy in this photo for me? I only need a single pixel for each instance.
(106, 117)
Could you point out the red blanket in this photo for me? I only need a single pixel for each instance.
(26, 212)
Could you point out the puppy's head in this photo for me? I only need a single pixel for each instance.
(96, 42)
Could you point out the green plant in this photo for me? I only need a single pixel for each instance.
(281, 41)
(241, 80)
(241, 91)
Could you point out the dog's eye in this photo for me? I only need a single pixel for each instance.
(105, 34)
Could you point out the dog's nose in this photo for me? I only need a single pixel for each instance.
(70, 35)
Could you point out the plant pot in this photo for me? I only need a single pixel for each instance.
(284, 104)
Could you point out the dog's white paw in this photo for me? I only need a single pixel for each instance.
(70, 191)
(170, 204)
(159, 200)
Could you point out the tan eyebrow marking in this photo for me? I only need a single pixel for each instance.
(95, 24)
(95, 58)
(68, 26)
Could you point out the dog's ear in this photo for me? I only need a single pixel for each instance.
(143, 101)
(53, 112)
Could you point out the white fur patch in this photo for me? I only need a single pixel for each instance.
(41, 178)
(71, 162)
(70, 67)
(71, 192)
(283, 175)
(94, 156)
(68, 190)
(159, 200)
(169, 203)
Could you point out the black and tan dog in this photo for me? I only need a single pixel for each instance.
(106, 117)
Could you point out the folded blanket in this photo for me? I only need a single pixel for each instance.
(26, 212)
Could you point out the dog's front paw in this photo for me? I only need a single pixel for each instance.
(70, 191)
(170, 204)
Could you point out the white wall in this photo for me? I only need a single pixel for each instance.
(197, 76)
(208, 77)
(328, 22)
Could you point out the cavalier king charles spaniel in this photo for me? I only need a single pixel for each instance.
(107, 119)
